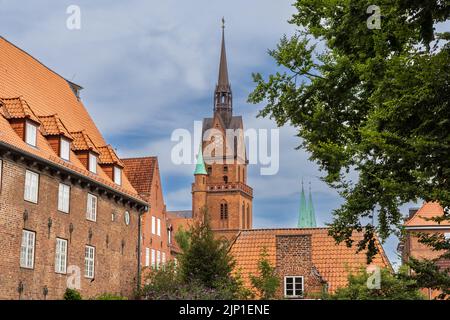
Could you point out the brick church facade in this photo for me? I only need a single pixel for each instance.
(307, 259)
(220, 187)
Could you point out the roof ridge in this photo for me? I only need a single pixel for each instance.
(34, 58)
(268, 229)
(143, 157)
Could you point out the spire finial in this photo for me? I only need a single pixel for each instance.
(223, 22)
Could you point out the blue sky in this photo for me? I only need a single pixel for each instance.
(150, 67)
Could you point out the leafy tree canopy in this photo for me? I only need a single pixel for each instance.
(391, 287)
(267, 281)
(374, 102)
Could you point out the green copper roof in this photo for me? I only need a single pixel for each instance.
(306, 216)
(200, 166)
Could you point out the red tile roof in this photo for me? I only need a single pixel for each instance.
(333, 262)
(43, 92)
(427, 211)
(109, 156)
(82, 142)
(140, 172)
(52, 125)
(17, 108)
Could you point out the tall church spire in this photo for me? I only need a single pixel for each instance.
(306, 215)
(223, 99)
(223, 81)
(312, 212)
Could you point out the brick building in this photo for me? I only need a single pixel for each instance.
(69, 216)
(220, 185)
(307, 260)
(143, 174)
(418, 221)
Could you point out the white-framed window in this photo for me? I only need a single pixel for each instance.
(153, 258)
(89, 262)
(127, 218)
(117, 175)
(64, 149)
(293, 286)
(92, 162)
(91, 210)
(27, 249)
(158, 259)
(153, 225)
(30, 133)
(163, 258)
(31, 186)
(158, 229)
(147, 257)
(61, 256)
(447, 236)
(64, 198)
(113, 216)
(169, 235)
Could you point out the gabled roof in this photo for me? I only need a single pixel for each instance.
(33, 89)
(52, 125)
(140, 173)
(333, 262)
(235, 123)
(109, 156)
(83, 142)
(427, 211)
(17, 108)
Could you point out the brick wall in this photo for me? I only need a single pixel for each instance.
(115, 242)
(293, 258)
(157, 209)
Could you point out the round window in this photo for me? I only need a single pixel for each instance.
(127, 218)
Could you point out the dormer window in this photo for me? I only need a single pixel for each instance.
(64, 149)
(117, 175)
(92, 162)
(30, 133)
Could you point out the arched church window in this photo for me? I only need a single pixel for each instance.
(248, 216)
(225, 179)
(224, 210)
(225, 169)
(209, 170)
(243, 215)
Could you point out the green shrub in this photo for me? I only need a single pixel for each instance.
(109, 296)
(72, 294)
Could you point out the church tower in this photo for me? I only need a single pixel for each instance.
(220, 184)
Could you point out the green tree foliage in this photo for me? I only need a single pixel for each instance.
(204, 270)
(392, 287)
(72, 294)
(182, 237)
(267, 282)
(206, 259)
(367, 102)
